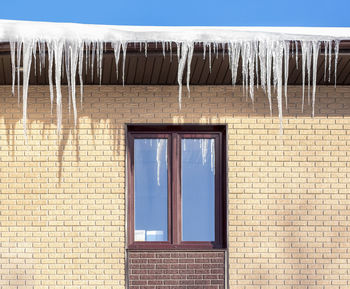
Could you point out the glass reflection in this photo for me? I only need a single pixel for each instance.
(151, 189)
(198, 189)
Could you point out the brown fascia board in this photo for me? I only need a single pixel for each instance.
(152, 47)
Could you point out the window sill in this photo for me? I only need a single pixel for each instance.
(205, 246)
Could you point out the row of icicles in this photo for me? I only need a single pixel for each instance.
(265, 61)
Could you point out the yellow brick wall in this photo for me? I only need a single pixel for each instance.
(62, 201)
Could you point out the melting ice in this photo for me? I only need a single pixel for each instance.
(263, 53)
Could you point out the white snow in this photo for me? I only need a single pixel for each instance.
(261, 49)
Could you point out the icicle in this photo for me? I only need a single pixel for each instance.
(87, 59)
(203, 143)
(181, 66)
(262, 58)
(209, 55)
(244, 67)
(116, 47)
(99, 60)
(234, 51)
(160, 147)
(58, 49)
(286, 70)
(204, 49)
(42, 55)
(256, 52)
(308, 53)
(325, 44)
(93, 54)
(212, 155)
(50, 52)
(329, 60)
(266, 56)
(229, 53)
(39, 49)
(336, 52)
(278, 59)
(124, 47)
(171, 51)
(80, 67)
(163, 48)
(34, 56)
(13, 63)
(98, 51)
(27, 61)
(304, 55)
(67, 60)
(63, 63)
(19, 51)
(189, 60)
(315, 48)
(73, 70)
(296, 54)
(275, 63)
(251, 64)
(268, 73)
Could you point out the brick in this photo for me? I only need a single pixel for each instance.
(178, 273)
(62, 200)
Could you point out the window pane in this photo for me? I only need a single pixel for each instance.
(151, 190)
(198, 189)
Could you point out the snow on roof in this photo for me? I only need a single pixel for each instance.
(11, 30)
(263, 52)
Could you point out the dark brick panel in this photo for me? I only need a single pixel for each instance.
(168, 270)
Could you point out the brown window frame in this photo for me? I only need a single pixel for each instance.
(175, 133)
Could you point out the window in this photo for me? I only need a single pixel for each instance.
(176, 184)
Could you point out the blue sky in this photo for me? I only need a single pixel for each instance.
(183, 12)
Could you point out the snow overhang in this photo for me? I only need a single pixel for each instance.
(11, 30)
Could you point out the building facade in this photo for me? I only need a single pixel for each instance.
(64, 198)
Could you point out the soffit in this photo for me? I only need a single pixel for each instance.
(159, 69)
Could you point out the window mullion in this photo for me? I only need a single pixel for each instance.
(176, 196)
(169, 167)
